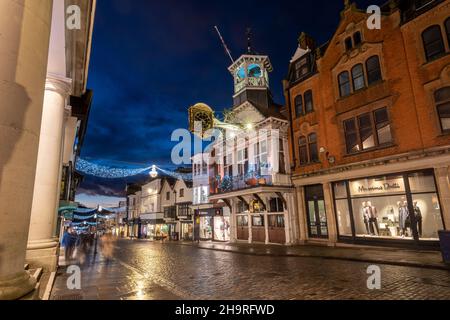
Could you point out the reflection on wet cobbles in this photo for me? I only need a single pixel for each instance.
(146, 270)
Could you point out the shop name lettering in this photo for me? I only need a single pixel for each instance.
(383, 187)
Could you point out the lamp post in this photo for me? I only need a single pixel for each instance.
(96, 233)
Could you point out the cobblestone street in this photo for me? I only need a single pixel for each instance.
(146, 270)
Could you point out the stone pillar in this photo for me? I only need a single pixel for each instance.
(250, 233)
(233, 233)
(24, 38)
(266, 227)
(443, 184)
(332, 226)
(302, 225)
(42, 240)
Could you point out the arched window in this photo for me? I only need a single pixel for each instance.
(299, 106)
(309, 106)
(303, 151)
(373, 70)
(313, 150)
(344, 84)
(442, 98)
(358, 77)
(447, 29)
(433, 43)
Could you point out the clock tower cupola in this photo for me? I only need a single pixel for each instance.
(251, 79)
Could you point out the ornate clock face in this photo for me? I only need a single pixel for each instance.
(205, 119)
(240, 74)
(254, 71)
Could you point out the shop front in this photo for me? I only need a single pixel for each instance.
(222, 226)
(401, 208)
(187, 230)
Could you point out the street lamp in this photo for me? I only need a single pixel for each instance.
(96, 232)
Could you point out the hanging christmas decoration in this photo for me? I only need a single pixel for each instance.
(120, 171)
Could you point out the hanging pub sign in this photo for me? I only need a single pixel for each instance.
(377, 186)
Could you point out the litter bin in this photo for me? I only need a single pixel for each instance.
(444, 237)
(175, 236)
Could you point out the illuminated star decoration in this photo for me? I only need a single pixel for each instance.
(104, 170)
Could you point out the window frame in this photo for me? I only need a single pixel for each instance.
(308, 99)
(439, 104)
(438, 31)
(358, 76)
(369, 71)
(447, 30)
(307, 149)
(346, 83)
(373, 123)
(298, 103)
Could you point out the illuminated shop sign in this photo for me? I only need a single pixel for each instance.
(377, 186)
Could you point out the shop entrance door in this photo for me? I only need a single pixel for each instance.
(316, 213)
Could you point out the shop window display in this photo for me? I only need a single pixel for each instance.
(222, 228)
(206, 231)
(403, 206)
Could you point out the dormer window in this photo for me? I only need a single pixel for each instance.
(302, 67)
(353, 41)
(357, 39)
(348, 44)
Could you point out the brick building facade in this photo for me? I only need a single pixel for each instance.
(370, 128)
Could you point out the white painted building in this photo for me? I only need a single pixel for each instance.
(250, 165)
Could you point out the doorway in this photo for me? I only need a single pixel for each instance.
(316, 212)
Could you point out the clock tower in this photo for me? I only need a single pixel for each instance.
(251, 80)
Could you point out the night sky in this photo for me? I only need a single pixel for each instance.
(152, 60)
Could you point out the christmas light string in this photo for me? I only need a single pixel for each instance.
(107, 171)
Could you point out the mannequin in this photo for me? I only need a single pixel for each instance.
(418, 215)
(373, 217)
(403, 217)
(366, 218)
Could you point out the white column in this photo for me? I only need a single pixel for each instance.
(331, 220)
(233, 218)
(443, 184)
(250, 233)
(42, 240)
(24, 38)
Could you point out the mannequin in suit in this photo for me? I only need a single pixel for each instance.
(403, 217)
(366, 218)
(373, 217)
(419, 219)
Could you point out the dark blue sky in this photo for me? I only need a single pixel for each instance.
(152, 59)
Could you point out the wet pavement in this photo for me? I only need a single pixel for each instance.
(141, 270)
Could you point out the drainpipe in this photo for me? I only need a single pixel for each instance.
(291, 122)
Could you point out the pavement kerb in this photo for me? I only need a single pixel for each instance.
(364, 260)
